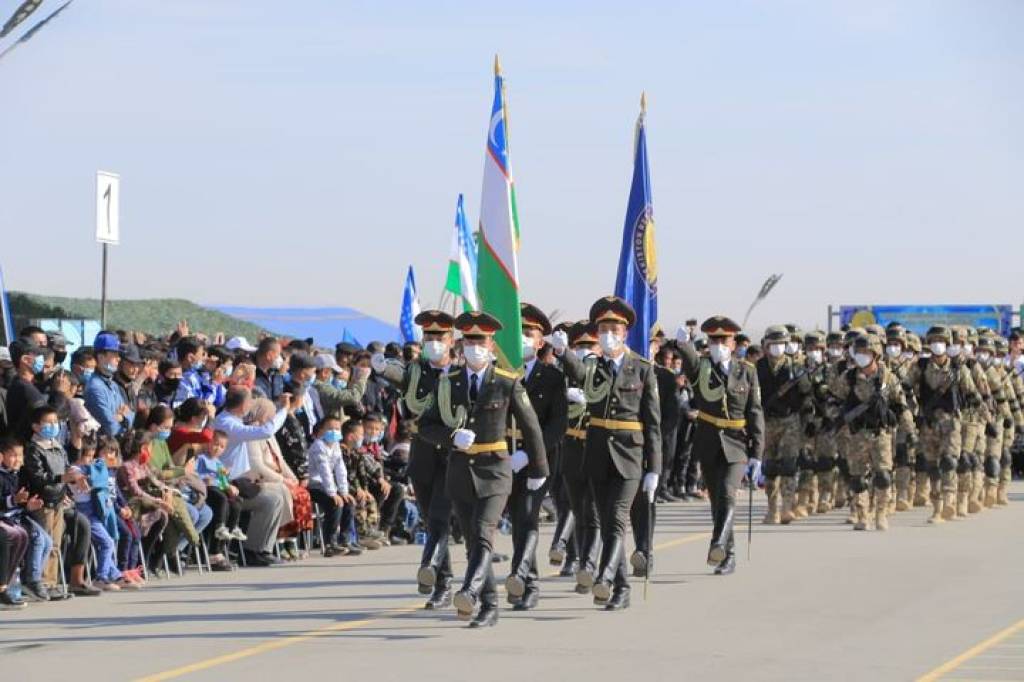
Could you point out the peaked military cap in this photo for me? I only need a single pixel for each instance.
(534, 318)
(777, 333)
(564, 326)
(476, 323)
(719, 326)
(612, 309)
(583, 332)
(435, 321)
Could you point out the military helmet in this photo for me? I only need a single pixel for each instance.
(814, 338)
(869, 342)
(972, 335)
(834, 338)
(853, 333)
(914, 342)
(987, 341)
(793, 329)
(896, 332)
(776, 333)
(958, 334)
(939, 332)
(1002, 346)
(876, 330)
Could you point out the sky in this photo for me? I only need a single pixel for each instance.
(278, 153)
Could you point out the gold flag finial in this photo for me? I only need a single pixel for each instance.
(497, 66)
(643, 101)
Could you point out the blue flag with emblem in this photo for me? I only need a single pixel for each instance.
(410, 309)
(637, 280)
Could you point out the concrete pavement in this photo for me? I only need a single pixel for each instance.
(816, 601)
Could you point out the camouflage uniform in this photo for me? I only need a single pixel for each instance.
(976, 420)
(818, 443)
(874, 405)
(840, 429)
(1013, 388)
(904, 438)
(783, 392)
(941, 386)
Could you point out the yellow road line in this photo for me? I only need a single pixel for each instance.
(973, 652)
(290, 640)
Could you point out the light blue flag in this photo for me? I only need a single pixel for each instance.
(410, 309)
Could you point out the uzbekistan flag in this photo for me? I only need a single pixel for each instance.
(497, 272)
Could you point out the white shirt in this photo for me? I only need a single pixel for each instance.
(528, 369)
(617, 362)
(479, 377)
(724, 365)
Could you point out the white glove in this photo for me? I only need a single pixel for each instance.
(650, 486)
(682, 334)
(518, 460)
(463, 438)
(559, 342)
(535, 483)
(378, 362)
(575, 395)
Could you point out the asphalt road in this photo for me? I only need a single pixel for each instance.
(815, 601)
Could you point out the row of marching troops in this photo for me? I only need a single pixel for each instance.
(880, 420)
(868, 419)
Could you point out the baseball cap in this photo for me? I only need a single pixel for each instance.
(106, 342)
(239, 343)
(325, 360)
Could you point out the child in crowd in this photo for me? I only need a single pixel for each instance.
(91, 494)
(328, 480)
(146, 496)
(222, 498)
(14, 538)
(121, 517)
(15, 501)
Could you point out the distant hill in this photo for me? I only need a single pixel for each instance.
(157, 316)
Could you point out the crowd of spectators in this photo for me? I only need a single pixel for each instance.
(140, 455)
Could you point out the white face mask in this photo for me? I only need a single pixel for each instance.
(968, 348)
(435, 350)
(477, 356)
(610, 343)
(776, 350)
(984, 357)
(815, 356)
(792, 347)
(582, 352)
(954, 350)
(278, 362)
(908, 355)
(720, 352)
(834, 352)
(529, 352)
(863, 359)
(893, 351)
(938, 347)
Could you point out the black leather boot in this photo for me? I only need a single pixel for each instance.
(515, 584)
(589, 552)
(568, 569)
(486, 618)
(721, 536)
(728, 565)
(642, 563)
(441, 598)
(476, 573)
(434, 553)
(560, 543)
(529, 599)
(611, 556)
(619, 600)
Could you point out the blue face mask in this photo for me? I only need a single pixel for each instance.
(49, 431)
(163, 434)
(741, 353)
(307, 383)
(198, 365)
(331, 436)
(38, 364)
(377, 437)
(87, 374)
(340, 383)
(110, 367)
(287, 377)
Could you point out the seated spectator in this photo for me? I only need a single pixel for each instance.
(387, 496)
(329, 482)
(130, 529)
(167, 381)
(22, 394)
(91, 495)
(16, 506)
(46, 475)
(266, 509)
(268, 463)
(103, 398)
(363, 521)
(222, 497)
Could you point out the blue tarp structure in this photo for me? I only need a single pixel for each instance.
(327, 326)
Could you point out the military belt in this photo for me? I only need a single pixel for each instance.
(616, 425)
(580, 434)
(720, 422)
(483, 448)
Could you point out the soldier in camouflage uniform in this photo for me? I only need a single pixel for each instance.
(785, 393)
(976, 423)
(873, 406)
(942, 386)
(1010, 436)
(827, 410)
(841, 430)
(899, 362)
(816, 442)
(1006, 409)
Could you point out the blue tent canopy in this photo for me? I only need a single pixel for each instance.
(327, 326)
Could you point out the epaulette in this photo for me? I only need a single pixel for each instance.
(506, 373)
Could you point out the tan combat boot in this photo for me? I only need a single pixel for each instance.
(882, 510)
(771, 491)
(859, 507)
(800, 508)
(824, 501)
(948, 505)
(990, 495)
(973, 506)
(1002, 496)
(921, 486)
(787, 515)
(961, 504)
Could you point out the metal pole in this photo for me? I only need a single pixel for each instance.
(829, 318)
(103, 290)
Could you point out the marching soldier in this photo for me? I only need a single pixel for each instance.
(729, 429)
(1016, 390)
(545, 386)
(815, 370)
(623, 439)
(943, 387)
(904, 456)
(428, 462)
(785, 394)
(826, 409)
(1002, 423)
(974, 418)
(563, 540)
(873, 406)
(470, 416)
